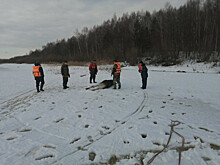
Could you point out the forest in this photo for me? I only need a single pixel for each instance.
(168, 36)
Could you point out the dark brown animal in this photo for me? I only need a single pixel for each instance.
(104, 84)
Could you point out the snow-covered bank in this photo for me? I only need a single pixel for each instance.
(124, 126)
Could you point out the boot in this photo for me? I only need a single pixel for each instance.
(38, 89)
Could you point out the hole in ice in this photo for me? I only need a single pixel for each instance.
(144, 136)
(92, 156)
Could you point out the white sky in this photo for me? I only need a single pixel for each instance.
(27, 25)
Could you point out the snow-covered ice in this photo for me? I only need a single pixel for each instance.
(127, 126)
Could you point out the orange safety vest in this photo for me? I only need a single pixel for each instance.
(36, 71)
(118, 69)
(140, 67)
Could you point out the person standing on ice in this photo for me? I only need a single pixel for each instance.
(39, 76)
(144, 74)
(65, 74)
(93, 71)
(116, 70)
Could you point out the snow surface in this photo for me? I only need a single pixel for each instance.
(127, 126)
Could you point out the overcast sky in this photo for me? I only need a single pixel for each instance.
(27, 25)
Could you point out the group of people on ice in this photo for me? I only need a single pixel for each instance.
(116, 70)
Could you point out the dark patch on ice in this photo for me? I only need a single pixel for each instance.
(92, 156)
(164, 102)
(106, 127)
(53, 102)
(11, 138)
(75, 140)
(145, 117)
(150, 111)
(172, 99)
(117, 121)
(90, 139)
(45, 157)
(166, 133)
(87, 126)
(37, 118)
(123, 122)
(205, 129)
(25, 130)
(1, 133)
(100, 106)
(169, 95)
(188, 105)
(126, 142)
(79, 116)
(196, 137)
(123, 98)
(85, 108)
(144, 135)
(112, 160)
(214, 146)
(155, 122)
(206, 158)
(173, 113)
(183, 113)
(156, 143)
(59, 120)
(180, 103)
(162, 107)
(49, 146)
(85, 102)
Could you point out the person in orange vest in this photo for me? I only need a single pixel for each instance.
(93, 71)
(39, 76)
(144, 74)
(116, 70)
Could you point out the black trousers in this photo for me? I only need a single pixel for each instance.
(39, 82)
(65, 80)
(92, 77)
(144, 83)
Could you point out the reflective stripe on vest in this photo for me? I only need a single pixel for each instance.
(118, 69)
(36, 71)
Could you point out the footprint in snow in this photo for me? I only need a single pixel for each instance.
(45, 157)
(90, 139)
(155, 122)
(162, 107)
(37, 118)
(173, 113)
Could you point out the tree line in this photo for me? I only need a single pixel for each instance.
(167, 37)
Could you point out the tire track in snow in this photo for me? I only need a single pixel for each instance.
(124, 120)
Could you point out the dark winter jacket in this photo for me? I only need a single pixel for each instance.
(144, 71)
(65, 70)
